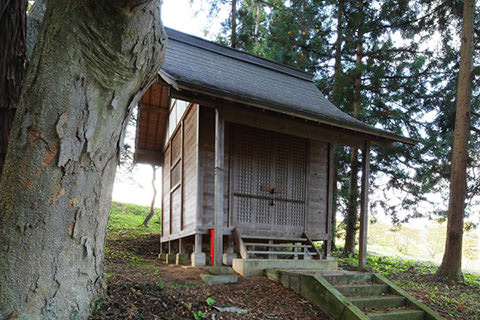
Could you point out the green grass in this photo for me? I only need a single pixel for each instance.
(126, 218)
(453, 300)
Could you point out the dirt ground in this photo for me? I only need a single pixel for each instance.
(141, 287)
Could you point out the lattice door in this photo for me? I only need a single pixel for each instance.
(268, 182)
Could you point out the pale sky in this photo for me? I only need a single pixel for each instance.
(191, 16)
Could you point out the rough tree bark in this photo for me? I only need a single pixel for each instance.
(338, 55)
(352, 206)
(91, 63)
(13, 17)
(152, 204)
(234, 24)
(451, 266)
(336, 98)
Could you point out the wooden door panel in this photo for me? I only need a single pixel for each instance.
(268, 182)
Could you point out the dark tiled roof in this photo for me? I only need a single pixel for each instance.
(205, 65)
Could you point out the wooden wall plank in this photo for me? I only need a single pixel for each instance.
(166, 194)
(317, 190)
(190, 170)
(207, 163)
(176, 205)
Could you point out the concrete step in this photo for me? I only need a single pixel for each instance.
(362, 289)
(219, 270)
(348, 277)
(211, 279)
(396, 315)
(378, 302)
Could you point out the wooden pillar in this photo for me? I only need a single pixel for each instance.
(219, 187)
(327, 245)
(180, 245)
(362, 257)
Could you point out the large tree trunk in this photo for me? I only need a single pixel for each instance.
(451, 266)
(13, 17)
(336, 96)
(333, 244)
(91, 63)
(234, 24)
(352, 206)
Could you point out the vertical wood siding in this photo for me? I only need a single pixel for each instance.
(180, 178)
(166, 193)
(190, 170)
(207, 160)
(207, 171)
(317, 190)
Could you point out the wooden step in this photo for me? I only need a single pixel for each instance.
(397, 315)
(378, 302)
(362, 289)
(299, 253)
(276, 245)
(276, 239)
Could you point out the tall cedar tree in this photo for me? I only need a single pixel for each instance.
(451, 266)
(396, 76)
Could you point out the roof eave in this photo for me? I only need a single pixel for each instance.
(179, 85)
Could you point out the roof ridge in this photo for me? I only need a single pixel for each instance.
(237, 54)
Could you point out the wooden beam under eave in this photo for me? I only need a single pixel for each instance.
(153, 157)
(362, 256)
(219, 187)
(209, 99)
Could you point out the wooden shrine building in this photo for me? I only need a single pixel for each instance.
(246, 148)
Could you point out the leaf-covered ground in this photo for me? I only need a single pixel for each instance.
(140, 287)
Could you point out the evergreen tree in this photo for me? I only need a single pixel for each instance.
(407, 85)
(451, 266)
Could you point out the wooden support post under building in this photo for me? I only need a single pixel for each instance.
(362, 257)
(219, 188)
(180, 245)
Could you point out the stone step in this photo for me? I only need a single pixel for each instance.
(211, 279)
(348, 277)
(396, 315)
(378, 302)
(362, 289)
(219, 270)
